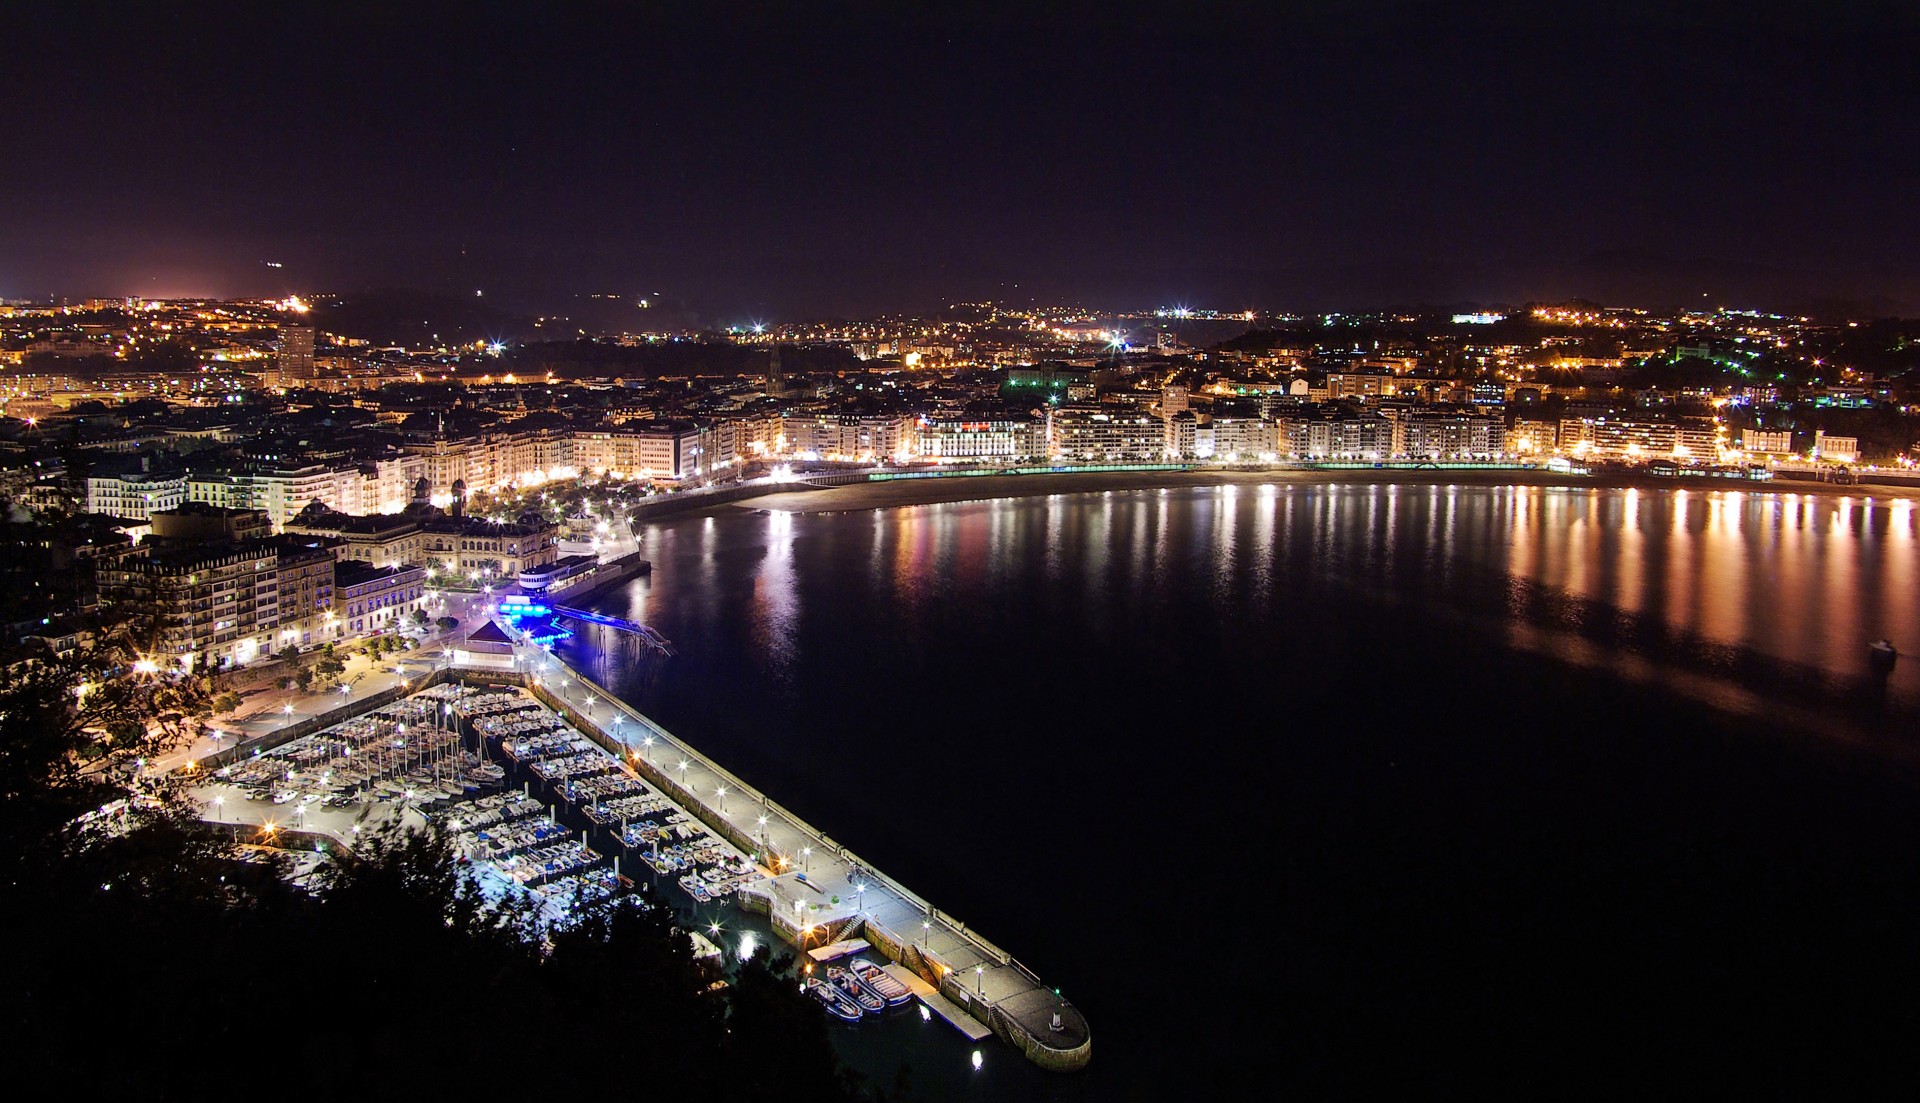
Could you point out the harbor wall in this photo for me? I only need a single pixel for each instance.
(667, 504)
(925, 963)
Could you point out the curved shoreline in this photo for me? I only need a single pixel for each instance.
(915, 492)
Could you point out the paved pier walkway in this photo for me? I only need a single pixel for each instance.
(968, 968)
(820, 891)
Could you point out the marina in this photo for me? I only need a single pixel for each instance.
(550, 788)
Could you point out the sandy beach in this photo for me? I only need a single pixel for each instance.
(911, 492)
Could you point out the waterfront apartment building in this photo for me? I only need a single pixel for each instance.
(1234, 437)
(1449, 434)
(1183, 435)
(1087, 433)
(664, 451)
(972, 440)
(855, 437)
(1620, 437)
(1335, 434)
(1531, 437)
(492, 461)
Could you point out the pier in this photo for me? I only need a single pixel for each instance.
(815, 891)
(820, 891)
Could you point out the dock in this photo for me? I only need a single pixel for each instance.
(817, 893)
(941, 1005)
(821, 892)
(846, 947)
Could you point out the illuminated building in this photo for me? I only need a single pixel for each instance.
(373, 599)
(1607, 436)
(215, 605)
(466, 546)
(379, 540)
(1241, 438)
(847, 436)
(656, 450)
(135, 495)
(1182, 435)
(1088, 433)
(968, 439)
(294, 356)
(1334, 433)
(1435, 434)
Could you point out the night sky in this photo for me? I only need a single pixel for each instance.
(785, 162)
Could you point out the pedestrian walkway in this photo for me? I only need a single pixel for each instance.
(965, 964)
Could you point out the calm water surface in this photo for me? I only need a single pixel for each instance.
(1336, 787)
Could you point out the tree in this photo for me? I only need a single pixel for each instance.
(137, 914)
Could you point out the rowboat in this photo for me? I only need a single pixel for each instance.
(880, 981)
(869, 1001)
(836, 1001)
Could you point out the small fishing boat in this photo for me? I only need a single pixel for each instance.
(859, 993)
(873, 994)
(836, 1001)
(878, 979)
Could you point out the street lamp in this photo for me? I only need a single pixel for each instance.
(647, 742)
(722, 791)
(805, 853)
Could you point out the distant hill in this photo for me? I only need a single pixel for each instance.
(404, 317)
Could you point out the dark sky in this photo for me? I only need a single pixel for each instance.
(793, 160)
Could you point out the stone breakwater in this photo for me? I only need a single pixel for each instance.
(821, 891)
